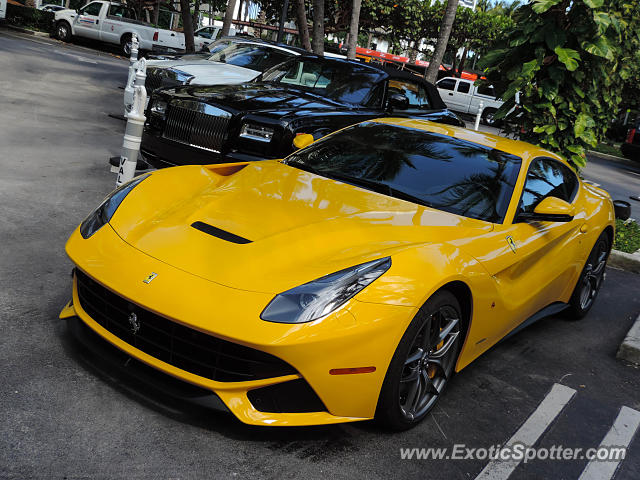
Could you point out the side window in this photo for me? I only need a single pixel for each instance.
(205, 33)
(273, 57)
(547, 178)
(415, 92)
(120, 11)
(92, 9)
(447, 84)
(463, 87)
(486, 90)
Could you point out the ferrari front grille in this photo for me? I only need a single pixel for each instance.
(197, 124)
(173, 343)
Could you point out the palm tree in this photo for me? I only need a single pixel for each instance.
(443, 40)
(318, 27)
(353, 29)
(228, 16)
(303, 29)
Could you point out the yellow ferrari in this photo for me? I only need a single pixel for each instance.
(346, 282)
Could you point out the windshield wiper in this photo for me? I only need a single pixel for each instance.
(379, 187)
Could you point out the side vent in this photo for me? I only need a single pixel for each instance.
(219, 233)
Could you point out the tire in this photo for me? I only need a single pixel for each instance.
(125, 45)
(63, 31)
(488, 119)
(590, 280)
(422, 364)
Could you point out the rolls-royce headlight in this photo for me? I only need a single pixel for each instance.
(322, 296)
(158, 107)
(101, 215)
(256, 132)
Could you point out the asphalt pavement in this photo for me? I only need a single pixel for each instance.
(65, 414)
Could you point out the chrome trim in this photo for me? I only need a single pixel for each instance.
(196, 124)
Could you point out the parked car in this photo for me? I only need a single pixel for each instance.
(171, 41)
(51, 8)
(631, 146)
(258, 120)
(347, 282)
(463, 96)
(115, 23)
(227, 61)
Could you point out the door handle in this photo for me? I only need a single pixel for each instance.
(173, 34)
(451, 94)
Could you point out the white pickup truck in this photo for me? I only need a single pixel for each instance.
(463, 96)
(114, 23)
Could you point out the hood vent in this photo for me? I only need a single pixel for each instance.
(217, 232)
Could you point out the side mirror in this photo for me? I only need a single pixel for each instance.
(551, 209)
(622, 209)
(398, 101)
(303, 140)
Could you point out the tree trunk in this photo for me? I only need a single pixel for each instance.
(156, 12)
(353, 29)
(196, 15)
(228, 16)
(463, 60)
(443, 40)
(187, 26)
(318, 27)
(303, 29)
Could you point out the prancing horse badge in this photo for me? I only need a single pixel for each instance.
(150, 277)
(512, 243)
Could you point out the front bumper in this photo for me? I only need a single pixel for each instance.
(161, 153)
(357, 335)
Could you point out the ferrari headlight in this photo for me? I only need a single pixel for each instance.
(101, 215)
(322, 296)
(159, 107)
(256, 132)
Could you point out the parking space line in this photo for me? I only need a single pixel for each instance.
(530, 431)
(620, 435)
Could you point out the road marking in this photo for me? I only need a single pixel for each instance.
(77, 57)
(620, 435)
(530, 431)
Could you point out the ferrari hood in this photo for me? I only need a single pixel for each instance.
(268, 227)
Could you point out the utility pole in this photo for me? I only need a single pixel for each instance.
(283, 19)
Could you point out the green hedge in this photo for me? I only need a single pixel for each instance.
(627, 236)
(29, 17)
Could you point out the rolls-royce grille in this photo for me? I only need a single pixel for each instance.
(152, 81)
(196, 124)
(173, 343)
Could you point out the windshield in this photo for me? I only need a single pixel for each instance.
(248, 55)
(340, 81)
(427, 168)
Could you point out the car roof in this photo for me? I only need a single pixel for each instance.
(524, 150)
(259, 41)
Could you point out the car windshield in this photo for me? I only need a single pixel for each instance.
(339, 81)
(248, 55)
(427, 168)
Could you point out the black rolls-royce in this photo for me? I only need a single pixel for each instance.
(260, 119)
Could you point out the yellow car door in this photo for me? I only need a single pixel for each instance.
(535, 262)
